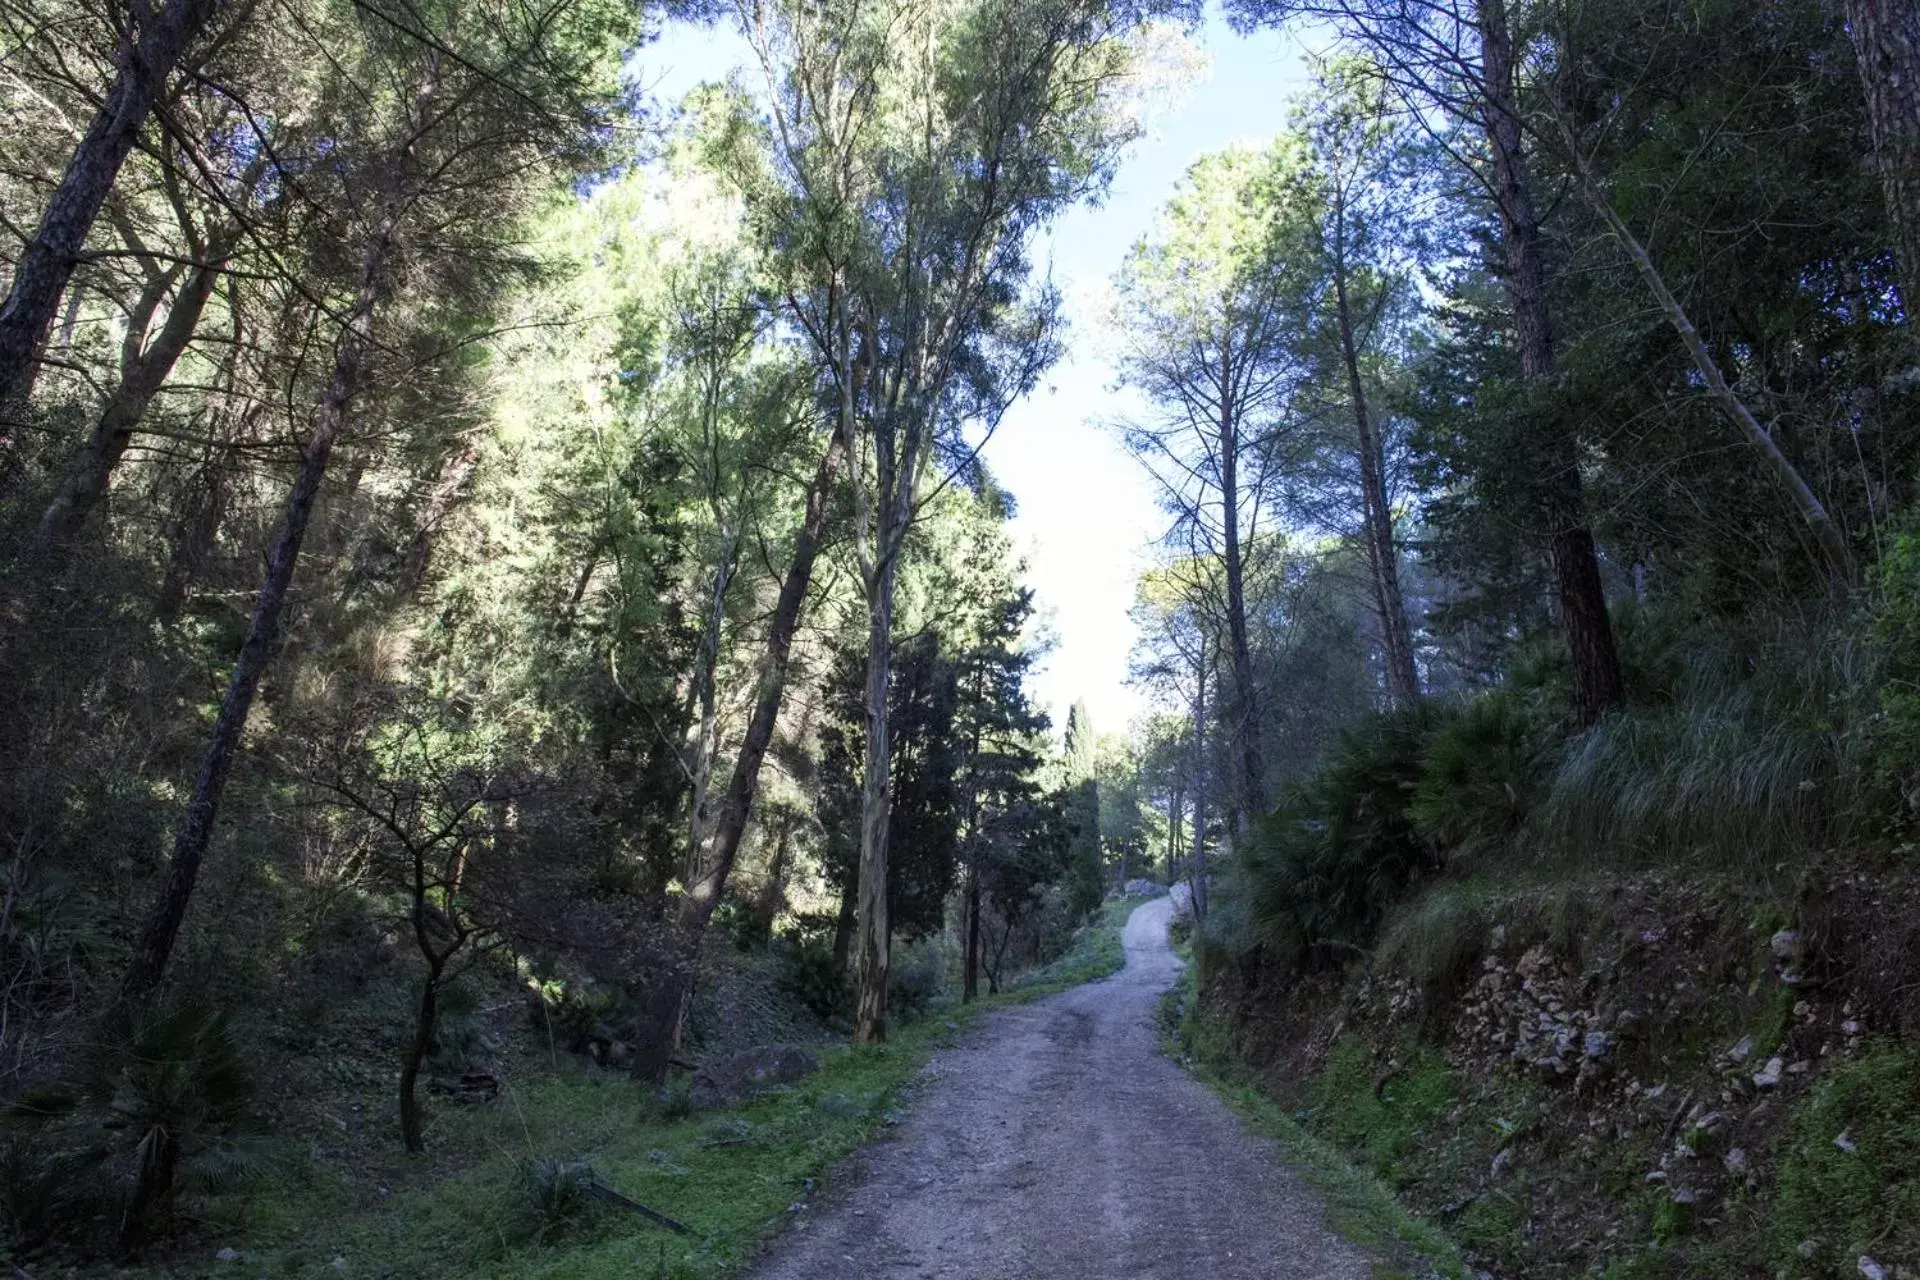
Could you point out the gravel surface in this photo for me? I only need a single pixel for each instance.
(1057, 1141)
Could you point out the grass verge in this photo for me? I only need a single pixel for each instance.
(731, 1176)
(1360, 1208)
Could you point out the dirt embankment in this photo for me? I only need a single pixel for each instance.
(1648, 1079)
(1057, 1141)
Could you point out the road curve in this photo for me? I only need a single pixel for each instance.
(1055, 1141)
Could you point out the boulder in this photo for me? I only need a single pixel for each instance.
(1182, 895)
(739, 1077)
(1143, 889)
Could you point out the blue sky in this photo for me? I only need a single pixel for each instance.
(1087, 516)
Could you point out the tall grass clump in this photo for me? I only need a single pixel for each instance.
(1757, 752)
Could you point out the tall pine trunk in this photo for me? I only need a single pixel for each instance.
(1248, 796)
(1886, 42)
(715, 864)
(149, 963)
(1598, 685)
(1197, 864)
(142, 373)
(144, 62)
(1383, 561)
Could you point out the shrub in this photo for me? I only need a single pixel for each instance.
(806, 970)
(917, 977)
(1483, 772)
(1341, 849)
(559, 1194)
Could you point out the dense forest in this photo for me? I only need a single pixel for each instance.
(500, 571)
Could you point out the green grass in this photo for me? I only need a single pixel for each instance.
(1360, 1207)
(729, 1175)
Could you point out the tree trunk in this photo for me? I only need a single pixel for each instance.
(142, 374)
(1176, 799)
(1197, 864)
(843, 925)
(47, 260)
(1834, 551)
(704, 894)
(410, 1125)
(716, 864)
(970, 986)
(149, 962)
(1598, 685)
(1886, 42)
(433, 514)
(1403, 678)
(1249, 797)
(874, 936)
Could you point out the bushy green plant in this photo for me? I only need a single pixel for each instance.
(1485, 766)
(178, 1089)
(1735, 780)
(558, 1194)
(1341, 849)
(806, 970)
(917, 977)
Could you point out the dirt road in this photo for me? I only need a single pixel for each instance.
(1057, 1142)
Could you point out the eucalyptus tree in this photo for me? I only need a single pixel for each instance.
(1458, 65)
(1209, 314)
(447, 122)
(911, 147)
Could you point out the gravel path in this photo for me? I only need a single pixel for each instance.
(1057, 1141)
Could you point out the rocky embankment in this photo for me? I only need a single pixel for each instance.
(1647, 1079)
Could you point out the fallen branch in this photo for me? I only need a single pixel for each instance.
(607, 1193)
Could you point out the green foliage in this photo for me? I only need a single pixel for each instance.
(559, 1194)
(178, 1088)
(1435, 939)
(1849, 1176)
(1325, 866)
(808, 973)
(1380, 1111)
(1738, 775)
(1482, 773)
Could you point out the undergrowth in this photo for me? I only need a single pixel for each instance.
(522, 1210)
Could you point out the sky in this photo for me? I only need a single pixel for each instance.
(1087, 515)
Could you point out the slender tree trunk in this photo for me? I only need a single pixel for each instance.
(142, 374)
(704, 894)
(433, 515)
(716, 864)
(149, 962)
(1175, 801)
(1886, 42)
(1403, 678)
(1249, 797)
(874, 935)
(843, 924)
(143, 63)
(1834, 551)
(411, 1130)
(1197, 864)
(1598, 685)
(970, 988)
